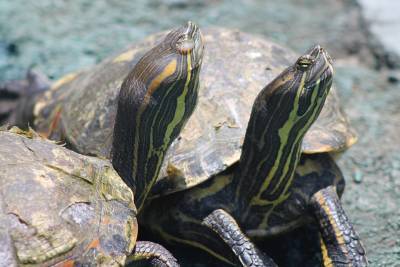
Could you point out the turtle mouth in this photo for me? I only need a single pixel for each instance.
(320, 68)
(193, 33)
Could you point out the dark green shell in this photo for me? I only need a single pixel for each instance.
(236, 66)
(57, 206)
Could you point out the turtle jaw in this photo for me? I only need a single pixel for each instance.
(316, 64)
(314, 72)
(193, 33)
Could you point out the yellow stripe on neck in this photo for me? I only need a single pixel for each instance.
(283, 136)
(155, 83)
(180, 105)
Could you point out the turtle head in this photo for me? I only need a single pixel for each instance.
(313, 73)
(282, 113)
(300, 90)
(177, 58)
(155, 101)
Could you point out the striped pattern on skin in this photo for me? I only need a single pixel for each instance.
(282, 113)
(154, 254)
(327, 262)
(155, 101)
(340, 244)
(226, 227)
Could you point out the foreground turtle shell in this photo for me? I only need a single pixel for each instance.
(59, 207)
(81, 107)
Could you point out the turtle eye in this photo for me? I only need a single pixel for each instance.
(304, 62)
(184, 45)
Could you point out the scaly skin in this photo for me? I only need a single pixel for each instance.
(226, 227)
(340, 244)
(155, 254)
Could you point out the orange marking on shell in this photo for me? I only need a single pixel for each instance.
(68, 263)
(42, 134)
(94, 244)
(134, 232)
(106, 220)
(54, 122)
(124, 57)
(64, 80)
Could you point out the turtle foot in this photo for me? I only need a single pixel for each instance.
(153, 254)
(340, 244)
(226, 227)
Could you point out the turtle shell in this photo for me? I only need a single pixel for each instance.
(59, 207)
(236, 66)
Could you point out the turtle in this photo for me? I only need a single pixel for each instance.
(65, 209)
(274, 185)
(60, 207)
(236, 67)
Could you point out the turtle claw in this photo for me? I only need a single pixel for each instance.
(228, 230)
(340, 244)
(154, 254)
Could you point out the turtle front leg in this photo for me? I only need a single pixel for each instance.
(226, 227)
(153, 254)
(340, 244)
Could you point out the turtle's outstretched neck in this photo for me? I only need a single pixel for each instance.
(282, 113)
(155, 101)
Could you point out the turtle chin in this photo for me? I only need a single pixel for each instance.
(198, 49)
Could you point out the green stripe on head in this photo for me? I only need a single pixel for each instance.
(155, 101)
(282, 113)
